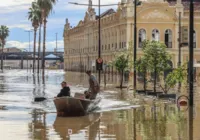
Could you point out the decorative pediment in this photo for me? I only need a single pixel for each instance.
(156, 14)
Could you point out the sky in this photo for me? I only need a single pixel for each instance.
(13, 13)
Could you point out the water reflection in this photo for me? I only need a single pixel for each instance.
(38, 127)
(117, 118)
(69, 126)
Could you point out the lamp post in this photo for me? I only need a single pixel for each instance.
(179, 41)
(191, 75)
(29, 35)
(99, 29)
(27, 59)
(56, 45)
(191, 52)
(135, 43)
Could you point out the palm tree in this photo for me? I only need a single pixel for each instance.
(46, 7)
(4, 33)
(34, 17)
(39, 40)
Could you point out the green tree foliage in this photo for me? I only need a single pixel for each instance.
(121, 64)
(176, 76)
(4, 33)
(141, 67)
(156, 57)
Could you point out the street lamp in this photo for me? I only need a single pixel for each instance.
(135, 43)
(191, 52)
(29, 32)
(27, 59)
(99, 48)
(191, 75)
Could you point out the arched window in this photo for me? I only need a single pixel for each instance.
(168, 38)
(142, 36)
(155, 35)
(194, 41)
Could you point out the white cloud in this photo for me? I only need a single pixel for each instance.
(14, 2)
(50, 45)
(9, 6)
(21, 26)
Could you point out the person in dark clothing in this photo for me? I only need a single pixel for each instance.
(65, 91)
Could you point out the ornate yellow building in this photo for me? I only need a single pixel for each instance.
(156, 20)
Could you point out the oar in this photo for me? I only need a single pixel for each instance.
(40, 99)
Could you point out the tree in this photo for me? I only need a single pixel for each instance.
(4, 33)
(39, 39)
(141, 67)
(46, 7)
(176, 76)
(157, 58)
(34, 15)
(121, 63)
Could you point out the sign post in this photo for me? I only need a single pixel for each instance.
(99, 64)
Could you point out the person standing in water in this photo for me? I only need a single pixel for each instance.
(94, 87)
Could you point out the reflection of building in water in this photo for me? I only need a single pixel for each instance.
(157, 20)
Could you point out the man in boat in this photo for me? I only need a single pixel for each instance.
(94, 87)
(65, 91)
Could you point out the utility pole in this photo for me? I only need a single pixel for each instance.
(135, 43)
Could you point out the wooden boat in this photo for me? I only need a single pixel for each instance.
(74, 106)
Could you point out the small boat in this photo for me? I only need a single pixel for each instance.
(74, 106)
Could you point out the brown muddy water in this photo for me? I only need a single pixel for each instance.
(119, 116)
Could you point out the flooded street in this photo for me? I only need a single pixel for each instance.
(119, 116)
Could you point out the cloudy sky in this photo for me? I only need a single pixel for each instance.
(13, 13)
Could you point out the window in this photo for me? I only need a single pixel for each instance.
(194, 41)
(168, 38)
(155, 35)
(142, 36)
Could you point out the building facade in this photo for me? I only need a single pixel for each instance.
(157, 20)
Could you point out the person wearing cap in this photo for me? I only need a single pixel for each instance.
(65, 91)
(93, 86)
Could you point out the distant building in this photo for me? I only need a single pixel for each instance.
(10, 50)
(156, 20)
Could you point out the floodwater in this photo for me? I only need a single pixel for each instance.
(120, 116)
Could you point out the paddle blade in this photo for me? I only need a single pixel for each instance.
(39, 99)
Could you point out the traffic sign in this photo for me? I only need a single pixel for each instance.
(99, 64)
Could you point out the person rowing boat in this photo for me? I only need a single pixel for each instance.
(94, 87)
(65, 91)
